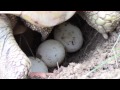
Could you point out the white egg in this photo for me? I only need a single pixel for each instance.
(70, 36)
(38, 65)
(51, 52)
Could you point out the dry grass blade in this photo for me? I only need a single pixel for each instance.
(28, 45)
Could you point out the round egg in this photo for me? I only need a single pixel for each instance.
(38, 65)
(70, 36)
(52, 52)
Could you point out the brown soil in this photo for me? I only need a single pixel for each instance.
(94, 52)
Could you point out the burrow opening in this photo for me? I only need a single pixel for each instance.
(30, 40)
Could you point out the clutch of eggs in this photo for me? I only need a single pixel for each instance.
(69, 35)
(38, 65)
(52, 52)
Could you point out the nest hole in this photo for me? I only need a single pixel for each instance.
(30, 40)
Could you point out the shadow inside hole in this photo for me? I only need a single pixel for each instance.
(29, 42)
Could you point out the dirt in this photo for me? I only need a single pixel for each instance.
(95, 60)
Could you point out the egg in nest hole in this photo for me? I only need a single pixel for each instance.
(38, 65)
(70, 36)
(52, 52)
